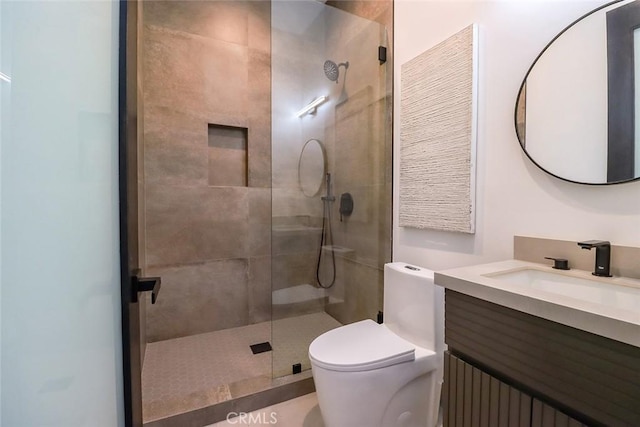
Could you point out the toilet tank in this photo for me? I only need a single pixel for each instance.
(410, 309)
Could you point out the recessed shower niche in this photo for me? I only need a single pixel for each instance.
(227, 155)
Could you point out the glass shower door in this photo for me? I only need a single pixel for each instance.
(331, 181)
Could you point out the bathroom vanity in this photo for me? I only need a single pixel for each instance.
(532, 346)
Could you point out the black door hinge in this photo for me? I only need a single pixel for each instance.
(382, 54)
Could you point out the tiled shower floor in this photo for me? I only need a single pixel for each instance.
(188, 373)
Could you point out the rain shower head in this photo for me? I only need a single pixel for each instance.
(332, 70)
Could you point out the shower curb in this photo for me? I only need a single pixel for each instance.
(218, 412)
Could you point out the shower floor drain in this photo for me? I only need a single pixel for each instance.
(260, 347)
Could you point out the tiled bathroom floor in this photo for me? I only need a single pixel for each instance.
(292, 337)
(188, 373)
(301, 411)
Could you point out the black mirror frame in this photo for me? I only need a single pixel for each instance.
(523, 85)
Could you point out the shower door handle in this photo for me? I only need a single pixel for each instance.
(145, 284)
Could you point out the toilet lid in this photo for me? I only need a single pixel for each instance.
(360, 346)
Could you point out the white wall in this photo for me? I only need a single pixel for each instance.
(513, 196)
(61, 336)
(566, 104)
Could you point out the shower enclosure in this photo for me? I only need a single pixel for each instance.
(329, 88)
(265, 194)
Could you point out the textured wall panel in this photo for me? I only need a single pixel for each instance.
(437, 136)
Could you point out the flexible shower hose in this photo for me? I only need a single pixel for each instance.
(326, 238)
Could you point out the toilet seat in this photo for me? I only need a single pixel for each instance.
(360, 346)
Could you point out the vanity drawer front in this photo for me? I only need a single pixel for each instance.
(590, 377)
(473, 398)
(543, 415)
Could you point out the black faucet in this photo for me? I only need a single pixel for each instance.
(603, 256)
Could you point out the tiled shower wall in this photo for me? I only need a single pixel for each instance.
(297, 53)
(356, 133)
(206, 63)
(359, 145)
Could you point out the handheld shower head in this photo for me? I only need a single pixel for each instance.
(332, 70)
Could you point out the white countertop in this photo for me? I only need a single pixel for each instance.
(620, 322)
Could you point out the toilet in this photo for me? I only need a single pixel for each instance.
(389, 374)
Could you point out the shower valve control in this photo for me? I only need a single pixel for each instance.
(346, 205)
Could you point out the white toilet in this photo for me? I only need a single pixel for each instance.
(385, 375)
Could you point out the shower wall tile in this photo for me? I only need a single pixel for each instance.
(259, 155)
(225, 66)
(259, 118)
(337, 308)
(260, 25)
(383, 150)
(367, 60)
(284, 222)
(368, 296)
(360, 161)
(290, 62)
(289, 202)
(166, 119)
(259, 289)
(385, 212)
(222, 20)
(260, 205)
(175, 147)
(366, 246)
(292, 242)
(380, 11)
(142, 312)
(289, 93)
(386, 109)
(173, 70)
(293, 269)
(260, 163)
(259, 221)
(259, 239)
(285, 164)
(227, 167)
(259, 75)
(360, 287)
(193, 224)
(360, 170)
(204, 77)
(206, 63)
(377, 10)
(199, 298)
(330, 145)
(363, 166)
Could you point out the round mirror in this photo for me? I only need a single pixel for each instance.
(311, 168)
(577, 107)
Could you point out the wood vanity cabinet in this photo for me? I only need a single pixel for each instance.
(508, 368)
(472, 398)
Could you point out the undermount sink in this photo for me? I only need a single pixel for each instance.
(590, 290)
